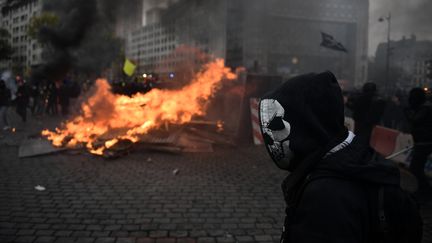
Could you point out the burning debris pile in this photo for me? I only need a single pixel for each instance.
(110, 124)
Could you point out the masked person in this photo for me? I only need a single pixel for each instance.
(337, 191)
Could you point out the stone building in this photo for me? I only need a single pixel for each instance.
(277, 37)
(407, 61)
(15, 17)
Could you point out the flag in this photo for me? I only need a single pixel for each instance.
(129, 68)
(329, 42)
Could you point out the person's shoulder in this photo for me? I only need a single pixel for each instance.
(334, 191)
(428, 104)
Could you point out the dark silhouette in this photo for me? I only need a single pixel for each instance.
(22, 99)
(52, 99)
(338, 190)
(38, 99)
(419, 114)
(393, 116)
(367, 110)
(64, 97)
(5, 96)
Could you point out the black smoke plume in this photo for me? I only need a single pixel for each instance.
(84, 40)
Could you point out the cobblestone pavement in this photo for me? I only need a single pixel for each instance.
(232, 195)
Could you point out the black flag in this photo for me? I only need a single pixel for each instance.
(329, 42)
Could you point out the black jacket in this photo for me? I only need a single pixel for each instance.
(367, 109)
(5, 96)
(336, 208)
(301, 121)
(331, 210)
(421, 123)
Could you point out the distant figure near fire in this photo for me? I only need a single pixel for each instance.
(5, 96)
(22, 99)
(338, 189)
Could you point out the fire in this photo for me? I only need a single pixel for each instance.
(105, 113)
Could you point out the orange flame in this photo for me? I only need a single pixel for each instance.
(130, 117)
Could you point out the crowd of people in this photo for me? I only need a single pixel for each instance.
(43, 98)
(408, 113)
(54, 98)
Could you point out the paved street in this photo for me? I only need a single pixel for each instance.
(232, 195)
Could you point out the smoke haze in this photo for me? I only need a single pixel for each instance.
(84, 39)
(408, 17)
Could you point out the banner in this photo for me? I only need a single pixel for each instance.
(129, 68)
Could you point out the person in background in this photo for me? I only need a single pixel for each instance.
(393, 116)
(367, 110)
(64, 97)
(419, 114)
(36, 96)
(52, 99)
(5, 96)
(22, 99)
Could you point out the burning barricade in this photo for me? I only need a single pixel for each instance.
(110, 124)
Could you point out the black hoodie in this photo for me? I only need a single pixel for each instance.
(333, 209)
(337, 208)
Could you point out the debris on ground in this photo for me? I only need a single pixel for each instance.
(40, 188)
(197, 136)
(176, 171)
(36, 147)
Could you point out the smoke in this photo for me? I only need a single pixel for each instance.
(84, 40)
(408, 17)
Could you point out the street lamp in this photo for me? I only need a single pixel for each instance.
(382, 19)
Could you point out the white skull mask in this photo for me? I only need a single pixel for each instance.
(275, 131)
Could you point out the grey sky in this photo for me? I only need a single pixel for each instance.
(408, 17)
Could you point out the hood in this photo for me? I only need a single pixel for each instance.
(303, 117)
(303, 127)
(360, 162)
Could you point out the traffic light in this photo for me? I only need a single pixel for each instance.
(428, 67)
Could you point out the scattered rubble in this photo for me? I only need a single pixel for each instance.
(36, 147)
(193, 137)
(40, 188)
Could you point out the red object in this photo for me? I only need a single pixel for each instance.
(383, 140)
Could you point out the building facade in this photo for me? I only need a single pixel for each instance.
(283, 37)
(149, 46)
(177, 34)
(277, 37)
(15, 17)
(129, 17)
(407, 62)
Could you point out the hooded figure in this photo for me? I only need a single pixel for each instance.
(302, 123)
